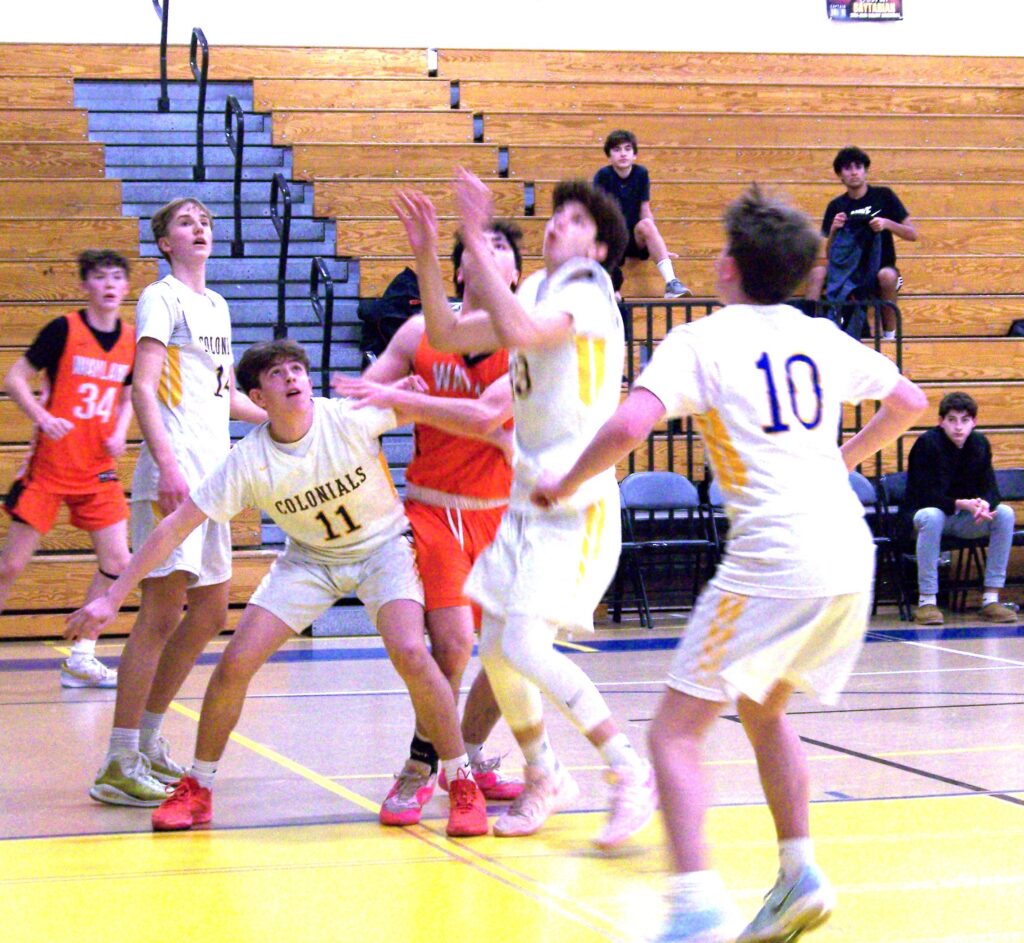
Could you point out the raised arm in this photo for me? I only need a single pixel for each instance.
(446, 330)
(514, 327)
(627, 428)
(169, 533)
(897, 414)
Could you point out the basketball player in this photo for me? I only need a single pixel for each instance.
(789, 604)
(183, 393)
(318, 470)
(81, 425)
(545, 573)
(457, 487)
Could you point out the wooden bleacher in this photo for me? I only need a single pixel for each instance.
(946, 132)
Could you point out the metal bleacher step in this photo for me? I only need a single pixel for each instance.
(136, 157)
(114, 95)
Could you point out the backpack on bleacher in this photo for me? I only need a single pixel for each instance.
(382, 317)
(1016, 329)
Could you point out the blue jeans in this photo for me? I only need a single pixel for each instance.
(931, 524)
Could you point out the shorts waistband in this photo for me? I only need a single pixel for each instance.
(442, 499)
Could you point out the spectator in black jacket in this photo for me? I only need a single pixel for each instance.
(951, 489)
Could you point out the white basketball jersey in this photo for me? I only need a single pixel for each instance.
(564, 394)
(194, 388)
(766, 386)
(333, 497)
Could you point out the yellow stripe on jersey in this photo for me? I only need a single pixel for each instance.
(593, 531)
(720, 632)
(726, 461)
(387, 472)
(170, 390)
(590, 364)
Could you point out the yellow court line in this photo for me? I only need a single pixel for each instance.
(535, 890)
(575, 646)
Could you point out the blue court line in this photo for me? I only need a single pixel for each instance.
(288, 655)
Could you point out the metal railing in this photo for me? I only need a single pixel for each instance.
(163, 103)
(647, 323)
(283, 224)
(234, 132)
(324, 311)
(199, 73)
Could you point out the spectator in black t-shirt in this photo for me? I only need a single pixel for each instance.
(630, 184)
(864, 205)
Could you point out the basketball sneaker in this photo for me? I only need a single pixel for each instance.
(86, 672)
(411, 791)
(189, 805)
(494, 784)
(688, 921)
(468, 813)
(792, 907)
(634, 799)
(676, 289)
(542, 796)
(161, 765)
(125, 779)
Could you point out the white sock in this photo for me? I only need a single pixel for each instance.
(888, 335)
(123, 739)
(926, 600)
(475, 752)
(149, 730)
(794, 855)
(989, 596)
(618, 751)
(203, 772)
(83, 648)
(539, 755)
(665, 267)
(691, 890)
(452, 767)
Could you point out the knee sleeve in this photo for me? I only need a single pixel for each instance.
(517, 697)
(528, 645)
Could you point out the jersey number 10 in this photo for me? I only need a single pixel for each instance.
(798, 367)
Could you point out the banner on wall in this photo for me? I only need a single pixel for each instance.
(859, 10)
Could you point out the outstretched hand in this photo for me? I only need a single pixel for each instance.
(474, 201)
(419, 218)
(89, 620)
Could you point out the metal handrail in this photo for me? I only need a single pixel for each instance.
(199, 74)
(283, 225)
(163, 103)
(324, 311)
(234, 132)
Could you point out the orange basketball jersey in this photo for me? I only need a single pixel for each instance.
(86, 391)
(451, 463)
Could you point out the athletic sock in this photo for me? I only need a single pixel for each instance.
(924, 600)
(83, 648)
(475, 752)
(423, 750)
(989, 596)
(618, 751)
(888, 335)
(794, 855)
(149, 730)
(203, 772)
(539, 755)
(122, 740)
(452, 767)
(694, 890)
(667, 272)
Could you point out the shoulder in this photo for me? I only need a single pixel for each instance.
(640, 172)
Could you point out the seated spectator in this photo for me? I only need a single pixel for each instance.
(630, 184)
(951, 489)
(859, 226)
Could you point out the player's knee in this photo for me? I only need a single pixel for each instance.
(236, 667)
(887, 280)
(645, 229)
(452, 655)
(410, 657)
(10, 570)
